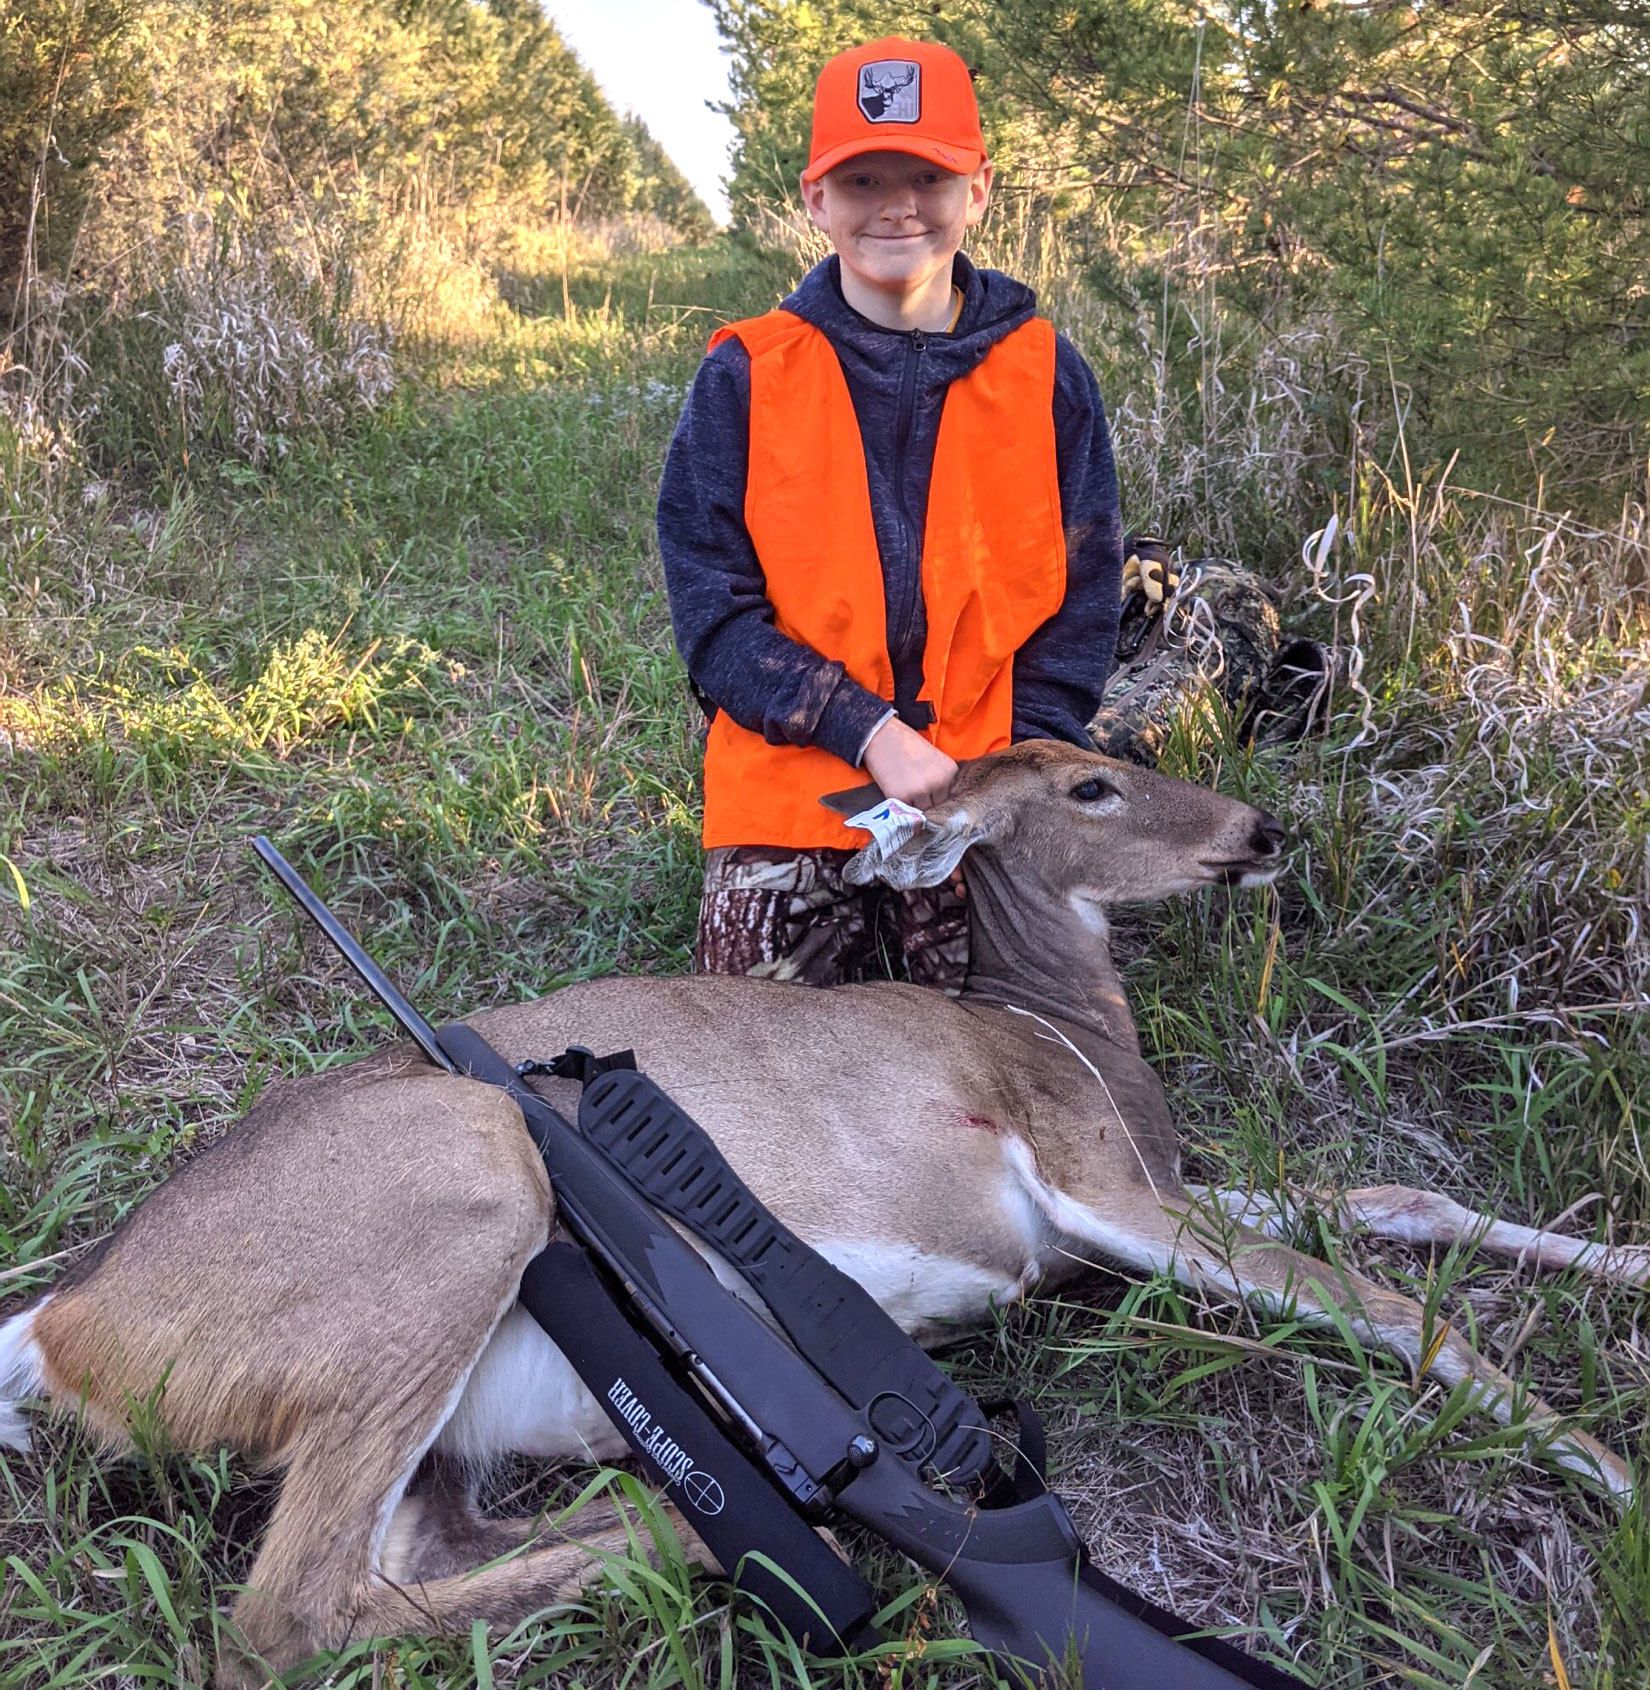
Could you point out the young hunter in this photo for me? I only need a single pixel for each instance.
(890, 529)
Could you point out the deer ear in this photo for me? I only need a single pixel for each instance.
(925, 855)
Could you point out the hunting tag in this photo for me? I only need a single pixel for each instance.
(890, 823)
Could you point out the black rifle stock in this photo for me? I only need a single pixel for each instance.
(1032, 1598)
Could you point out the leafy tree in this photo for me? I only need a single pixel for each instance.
(70, 78)
(308, 111)
(276, 101)
(661, 189)
(1462, 184)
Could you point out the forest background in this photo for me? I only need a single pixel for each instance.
(342, 343)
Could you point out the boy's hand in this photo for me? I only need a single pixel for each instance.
(906, 766)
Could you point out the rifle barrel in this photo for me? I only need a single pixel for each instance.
(377, 981)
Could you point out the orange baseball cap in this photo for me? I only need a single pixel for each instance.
(900, 96)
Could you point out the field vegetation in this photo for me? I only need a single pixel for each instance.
(344, 345)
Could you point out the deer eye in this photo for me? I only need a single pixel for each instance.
(1086, 792)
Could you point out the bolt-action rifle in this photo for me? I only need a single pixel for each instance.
(758, 1439)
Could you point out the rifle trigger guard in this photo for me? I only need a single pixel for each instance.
(916, 1443)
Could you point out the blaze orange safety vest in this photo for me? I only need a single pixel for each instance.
(993, 562)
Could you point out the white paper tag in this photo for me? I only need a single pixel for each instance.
(891, 822)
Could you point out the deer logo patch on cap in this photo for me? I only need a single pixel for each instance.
(890, 91)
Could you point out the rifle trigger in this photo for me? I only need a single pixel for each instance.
(914, 1438)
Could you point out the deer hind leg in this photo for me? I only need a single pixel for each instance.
(365, 1543)
(347, 1476)
(443, 1594)
(437, 1529)
(343, 1482)
(335, 1569)
(447, 1202)
(434, 1574)
(1412, 1216)
(1199, 1248)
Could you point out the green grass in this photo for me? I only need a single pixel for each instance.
(431, 658)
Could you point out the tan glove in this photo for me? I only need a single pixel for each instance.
(1149, 567)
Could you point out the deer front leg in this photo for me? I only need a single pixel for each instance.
(1165, 1232)
(1248, 1265)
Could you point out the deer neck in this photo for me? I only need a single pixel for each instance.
(1042, 956)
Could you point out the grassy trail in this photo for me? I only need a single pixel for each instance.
(433, 662)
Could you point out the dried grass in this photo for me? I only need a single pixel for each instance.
(1524, 642)
(259, 353)
(40, 454)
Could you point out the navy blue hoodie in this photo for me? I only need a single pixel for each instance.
(724, 624)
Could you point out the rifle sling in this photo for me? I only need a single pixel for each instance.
(914, 1408)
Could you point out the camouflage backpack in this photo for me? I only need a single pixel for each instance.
(1217, 634)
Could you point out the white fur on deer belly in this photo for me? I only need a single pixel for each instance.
(524, 1398)
(920, 1290)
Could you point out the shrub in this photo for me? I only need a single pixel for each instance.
(259, 353)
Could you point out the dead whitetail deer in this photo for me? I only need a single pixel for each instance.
(332, 1286)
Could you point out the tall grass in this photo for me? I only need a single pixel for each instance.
(426, 647)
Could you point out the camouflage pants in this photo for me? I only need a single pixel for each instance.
(786, 915)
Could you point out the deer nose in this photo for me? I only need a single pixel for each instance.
(1270, 836)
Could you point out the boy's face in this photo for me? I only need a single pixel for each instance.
(896, 220)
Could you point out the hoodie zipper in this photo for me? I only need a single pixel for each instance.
(915, 346)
